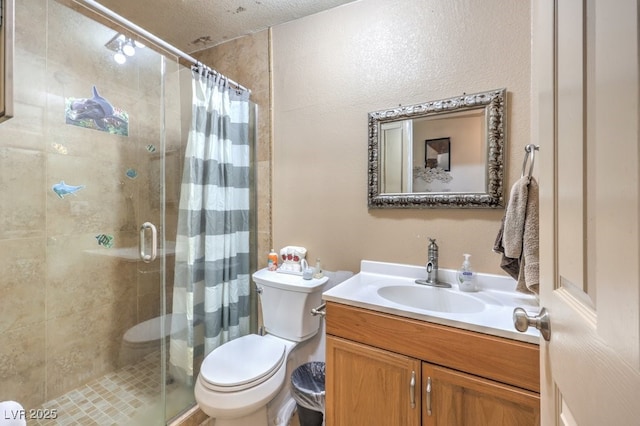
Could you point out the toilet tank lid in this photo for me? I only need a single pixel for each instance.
(288, 281)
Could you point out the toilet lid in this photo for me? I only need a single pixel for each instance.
(242, 363)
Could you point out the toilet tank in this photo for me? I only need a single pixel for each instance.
(286, 301)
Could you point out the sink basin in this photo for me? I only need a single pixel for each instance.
(431, 299)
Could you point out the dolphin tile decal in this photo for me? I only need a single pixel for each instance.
(96, 113)
(61, 189)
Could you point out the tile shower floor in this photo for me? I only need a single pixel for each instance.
(118, 398)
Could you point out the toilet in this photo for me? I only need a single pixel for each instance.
(238, 379)
(147, 337)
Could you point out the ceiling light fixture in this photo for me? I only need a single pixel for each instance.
(122, 46)
(127, 48)
(119, 57)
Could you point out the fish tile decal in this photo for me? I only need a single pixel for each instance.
(60, 148)
(105, 240)
(131, 173)
(96, 113)
(61, 189)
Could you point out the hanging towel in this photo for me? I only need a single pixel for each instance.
(510, 265)
(520, 233)
(530, 262)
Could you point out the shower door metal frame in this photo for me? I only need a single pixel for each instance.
(7, 39)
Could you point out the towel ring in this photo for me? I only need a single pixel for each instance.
(530, 150)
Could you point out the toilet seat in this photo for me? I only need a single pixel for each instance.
(152, 330)
(242, 363)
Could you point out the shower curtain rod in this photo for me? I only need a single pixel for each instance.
(93, 5)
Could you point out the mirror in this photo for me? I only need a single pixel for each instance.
(441, 154)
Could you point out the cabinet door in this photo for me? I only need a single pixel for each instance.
(455, 398)
(366, 386)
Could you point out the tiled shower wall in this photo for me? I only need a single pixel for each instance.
(66, 301)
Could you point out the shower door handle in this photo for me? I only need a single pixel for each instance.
(148, 258)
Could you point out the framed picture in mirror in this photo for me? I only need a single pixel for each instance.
(437, 154)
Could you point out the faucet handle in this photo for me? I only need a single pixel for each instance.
(433, 247)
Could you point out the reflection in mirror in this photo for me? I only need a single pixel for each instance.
(446, 153)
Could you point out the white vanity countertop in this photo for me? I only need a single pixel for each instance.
(496, 291)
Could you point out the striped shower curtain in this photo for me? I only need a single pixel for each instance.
(211, 281)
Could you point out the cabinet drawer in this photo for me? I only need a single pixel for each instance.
(507, 361)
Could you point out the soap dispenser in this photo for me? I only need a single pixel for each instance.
(466, 276)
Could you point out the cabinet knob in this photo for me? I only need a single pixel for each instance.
(522, 322)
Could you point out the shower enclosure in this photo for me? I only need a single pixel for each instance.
(93, 152)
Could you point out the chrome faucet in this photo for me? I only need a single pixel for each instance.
(432, 267)
(432, 262)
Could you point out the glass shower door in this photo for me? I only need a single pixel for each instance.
(84, 163)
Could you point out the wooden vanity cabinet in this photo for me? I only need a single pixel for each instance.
(475, 379)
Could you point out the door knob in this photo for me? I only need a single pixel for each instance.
(522, 322)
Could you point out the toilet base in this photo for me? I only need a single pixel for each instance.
(257, 418)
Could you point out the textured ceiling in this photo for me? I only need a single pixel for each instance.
(192, 25)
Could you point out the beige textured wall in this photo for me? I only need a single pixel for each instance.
(332, 68)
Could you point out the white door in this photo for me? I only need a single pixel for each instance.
(585, 120)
